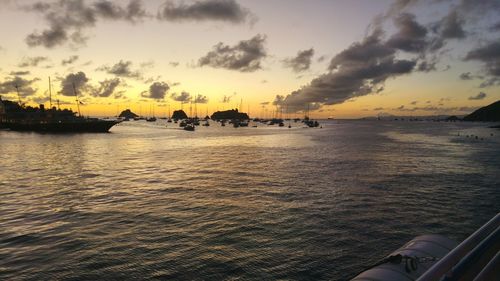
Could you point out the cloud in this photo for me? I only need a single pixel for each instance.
(183, 97)
(490, 82)
(279, 100)
(106, 88)
(378, 108)
(301, 62)
(19, 73)
(77, 80)
(489, 54)
(411, 35)
(157, 91)
(359, 70)
(427, 66)
(479, 96)
(204, 10)
(174, 63)
(32, 61)
(147, 64)
(69, 60)
(495, 27)
(25, 86)
(322, 58)
(228, 98)
(122, 69)
(466, 76)
(264, 103)
(201, 99)
(451, 26)
(68, 19)
(246, 56)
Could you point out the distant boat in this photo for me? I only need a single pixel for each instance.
(183, 123)
(189, 127)
(206, 124)
(169, 120)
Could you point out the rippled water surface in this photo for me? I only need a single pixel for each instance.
(266, 203)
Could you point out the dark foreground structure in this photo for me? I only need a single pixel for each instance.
(434, 257)
(16, 117)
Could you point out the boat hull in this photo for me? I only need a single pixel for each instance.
(98, 126)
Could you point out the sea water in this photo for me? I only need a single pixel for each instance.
(151, 201)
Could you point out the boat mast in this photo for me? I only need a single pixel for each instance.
(50, 95)
(18, 95)
(196, 106)
(77, 101)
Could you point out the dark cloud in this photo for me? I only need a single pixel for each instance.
(122, 69)
(489, 54)
(174, 63)
(183, 97)
(204, 10)
(264, 103)
(19, 73)
(157, 91)
(479, 96)
(301, 62)
(246, 56)
(25, 86)
(279, 100)
(66, 19)
(228, 98)
(466, 76)
(378, 108)
(106, 88)
(32, 61)
(358, 70)
(77, 80)
(69, 60)
(109, 10)
(451, 26)
(490, 82)
(427, 65)
(411, 36)
(321, 58)
(414, 102)
(495, 27)
(201, 99)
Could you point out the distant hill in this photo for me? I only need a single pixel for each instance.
(179, 114)
(229, 114)
(128, 114)
(489, 113)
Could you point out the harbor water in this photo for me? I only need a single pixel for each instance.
(153, 202)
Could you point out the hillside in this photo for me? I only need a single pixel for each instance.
(489, 113)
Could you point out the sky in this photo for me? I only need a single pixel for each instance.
(338, 58)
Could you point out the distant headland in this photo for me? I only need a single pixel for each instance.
(229, 115)
(127, 113)
(489, 113)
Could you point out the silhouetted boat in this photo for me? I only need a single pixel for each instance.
(37, 119)
(189, 127)
(151, 119)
